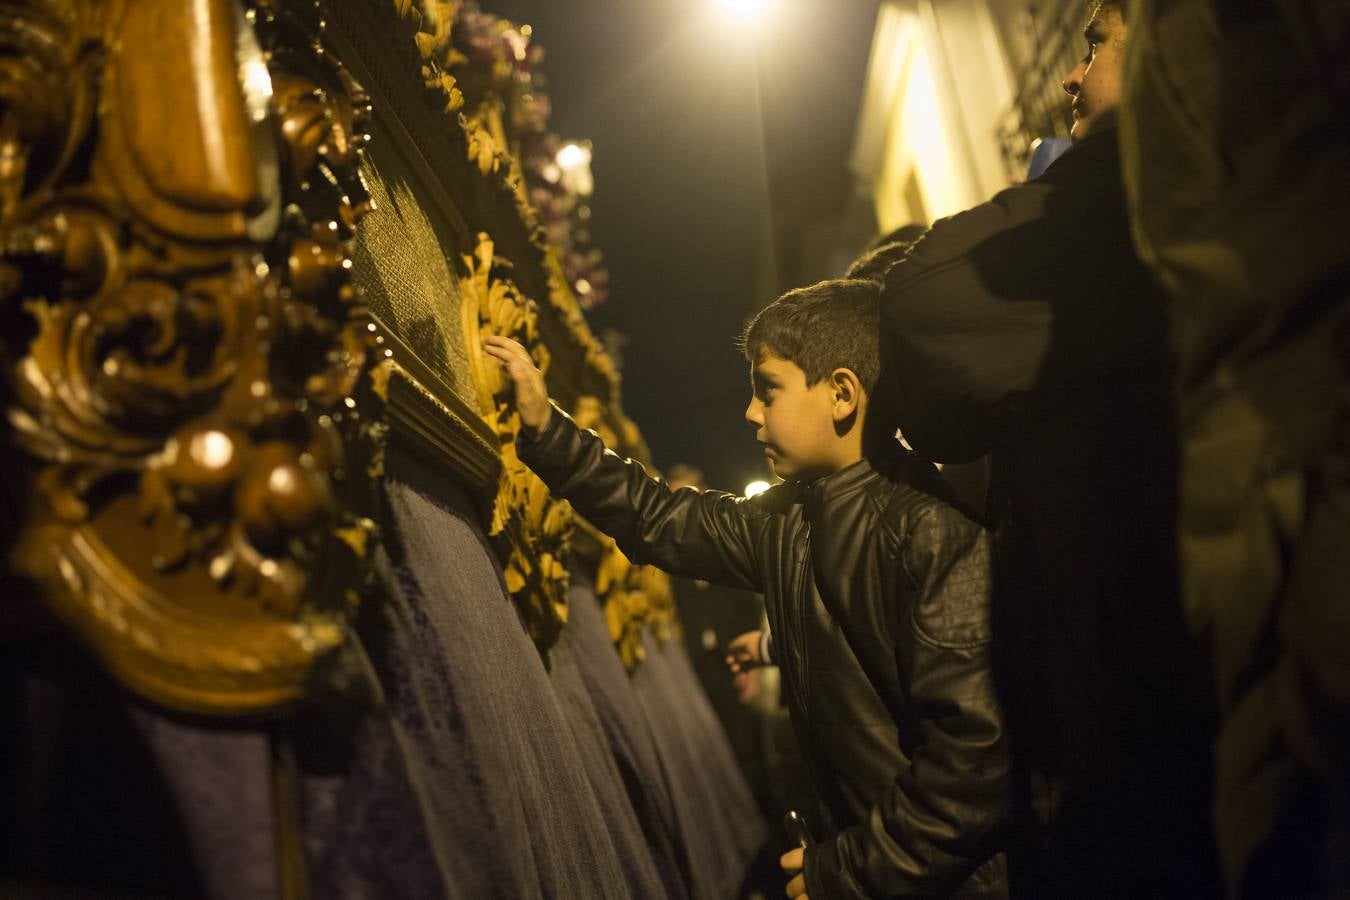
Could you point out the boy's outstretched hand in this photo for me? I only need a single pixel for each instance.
(531, 392)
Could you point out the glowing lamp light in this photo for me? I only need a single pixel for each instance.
(573, 155)
(745, 10)
(756, 487)
(574, 161)
(211, 449)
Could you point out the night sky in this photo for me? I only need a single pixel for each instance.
(701, 128)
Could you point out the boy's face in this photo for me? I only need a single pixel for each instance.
(794, 422)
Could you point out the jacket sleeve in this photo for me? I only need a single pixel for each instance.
(999, 308)
(694, 534)
(941, 818)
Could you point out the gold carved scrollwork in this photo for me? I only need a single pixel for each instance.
(185, 358)
(483, 150)
(531, 530)
(655, 585)
(626, 609)
(435, 20)
(634, 598)
(600, 371)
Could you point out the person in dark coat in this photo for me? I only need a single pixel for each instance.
(1235, 134)
(1027, 328)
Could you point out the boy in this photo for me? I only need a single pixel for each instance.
(877, 593)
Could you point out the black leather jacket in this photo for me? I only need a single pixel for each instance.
(878, 598)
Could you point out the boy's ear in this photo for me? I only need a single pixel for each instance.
(848, 393)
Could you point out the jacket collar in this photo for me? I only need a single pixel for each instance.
(833, 487)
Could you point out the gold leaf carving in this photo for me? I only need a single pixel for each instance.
(626, 610)
(655, 586)
(435, 21)
(483, 151)
(454, 100)
(484, 65)
(184, 351)
(595, 362)
(530, 529)
(634, 599)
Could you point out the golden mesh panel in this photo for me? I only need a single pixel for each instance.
(402, 263)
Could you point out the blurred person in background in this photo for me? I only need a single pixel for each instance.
(1236, 146)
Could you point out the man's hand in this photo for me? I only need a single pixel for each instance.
(743, 652)
(792, 864)
(531, 392)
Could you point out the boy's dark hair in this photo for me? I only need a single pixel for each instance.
(829, 325)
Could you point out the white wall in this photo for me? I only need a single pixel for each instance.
(937, 86)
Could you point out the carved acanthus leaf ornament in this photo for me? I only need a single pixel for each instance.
(634, 599)
(655, 586)
(185, 358)
(435, 21)
(531, 530)
(626, 609)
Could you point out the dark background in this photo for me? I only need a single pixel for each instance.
(717, 147)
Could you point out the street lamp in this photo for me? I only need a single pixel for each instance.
(745, 10)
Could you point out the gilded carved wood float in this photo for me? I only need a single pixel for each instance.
(206, 341)
(187, 362)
